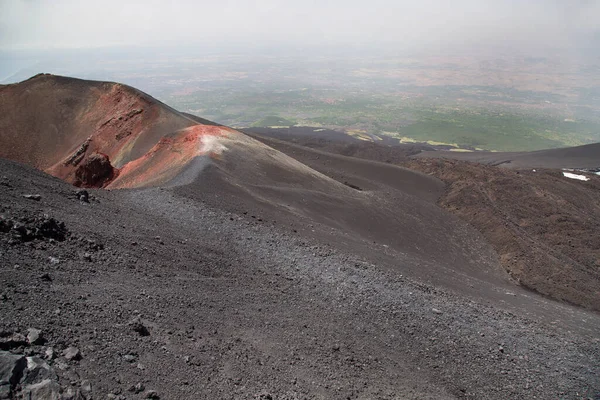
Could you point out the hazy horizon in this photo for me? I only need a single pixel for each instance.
(498, 75)
(406, 25)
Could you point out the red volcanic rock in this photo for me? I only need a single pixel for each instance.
(95, 171)
(75, 119)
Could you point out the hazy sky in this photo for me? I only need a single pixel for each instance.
(403, 23)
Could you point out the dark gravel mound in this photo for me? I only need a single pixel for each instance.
(25, 229)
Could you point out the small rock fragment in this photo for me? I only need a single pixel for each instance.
(86, 388)
(34, 336)
(46, 389)
(71, 394)
(11, 371)
(129, 358)
(435, 310)
(72, 353)
(151, 394)
(35, 197)
(83, 195)
(138, 327)
(37, 370)
(49, 353)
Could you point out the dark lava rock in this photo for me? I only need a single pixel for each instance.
(37, 370)
(11, 372)
(27, 229)
(46, 389)
(11, 340)
(140, 328)
(138, 388)
(94, 171)
(83, 195)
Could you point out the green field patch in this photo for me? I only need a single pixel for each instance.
(499, 132)
(273, 121)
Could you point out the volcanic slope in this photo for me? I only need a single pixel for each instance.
(149, 144)
(542, 224)
(161, 292)
(86, 132)
(384, 211)
(256, 275)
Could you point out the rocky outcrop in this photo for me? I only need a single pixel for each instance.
(95, 171)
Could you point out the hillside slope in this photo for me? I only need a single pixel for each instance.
(85, 131)
(145, 143)
(542, 225)
(227, 299)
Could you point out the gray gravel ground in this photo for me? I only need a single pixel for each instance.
(235, 307)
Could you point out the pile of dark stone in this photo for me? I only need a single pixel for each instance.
(26, 229)
(28, 368)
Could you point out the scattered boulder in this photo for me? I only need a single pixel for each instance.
(83, 195)
(45, 390)
(130, 358)
(49, 353)
(35, 197)
(139, 327)
(30, 228)
(72, 354)
(72, 394)
(9, 340)
(11, 372)
(34, 336)
(95, 171)
(37, 370)
(138, 388)
(151, 394)
(86, 388)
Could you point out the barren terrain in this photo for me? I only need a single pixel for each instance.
(268, 270)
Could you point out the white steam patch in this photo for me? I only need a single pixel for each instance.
(210, 145)
(575, 176)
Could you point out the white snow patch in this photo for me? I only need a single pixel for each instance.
(575, 176)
